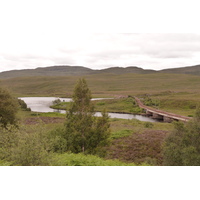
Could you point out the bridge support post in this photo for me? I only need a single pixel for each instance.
(167, 119)
(156, 116)
(149, 113)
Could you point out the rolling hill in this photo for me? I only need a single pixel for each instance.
(47, 71)
(70, 71)
(66, 70)
(194, 70)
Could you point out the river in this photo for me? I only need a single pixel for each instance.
(42, 104)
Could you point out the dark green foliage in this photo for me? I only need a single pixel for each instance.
(182, 146)
(58, 141)
(8, 109)
(172, 146)
(23, 105)
(84, 132)
(99, 135)
(56, 102)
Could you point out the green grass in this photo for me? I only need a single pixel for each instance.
(178, 93)
(70, 159)
(121, 133)
(61, 106)
(103, 85)
(182, 103)
(121, 105)
(51, 114)
(120, 129)
(175, 93)
(123, 127)
(165, 87)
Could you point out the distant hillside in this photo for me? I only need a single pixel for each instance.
(120, 70)
(194, 70)
(47, 71)
(66, 70)
(69, 71)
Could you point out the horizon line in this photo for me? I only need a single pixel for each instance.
(62, 65)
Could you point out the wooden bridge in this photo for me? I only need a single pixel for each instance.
(161, 115)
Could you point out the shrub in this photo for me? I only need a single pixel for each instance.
(148, 125)
(56, 102)
(23, 105)
(58, 141)
(8, 109)
(182, 146)
(26, 146)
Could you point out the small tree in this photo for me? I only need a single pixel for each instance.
(8, 108)
(56, 102)
(84, 132)
(99, 136)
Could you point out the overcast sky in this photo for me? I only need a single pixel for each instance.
(46, 33)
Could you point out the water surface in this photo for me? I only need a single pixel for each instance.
(42, 104)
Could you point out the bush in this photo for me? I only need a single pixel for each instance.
(58, 141)
(182, 146)
(8, 109)
(148, 125)
(56, 102)
(25, 146)
(23, 105)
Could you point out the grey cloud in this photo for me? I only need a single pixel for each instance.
(152, 45)
(107, 50)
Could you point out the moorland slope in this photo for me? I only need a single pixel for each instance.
(66, 70)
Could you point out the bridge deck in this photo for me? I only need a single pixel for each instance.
(162, 113)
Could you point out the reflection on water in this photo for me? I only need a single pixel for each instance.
(41, 104)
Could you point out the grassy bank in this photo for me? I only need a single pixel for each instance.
(120, 105)
(182, 103)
